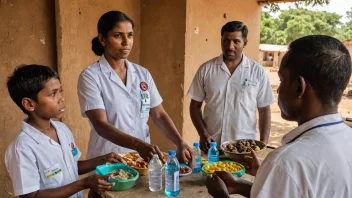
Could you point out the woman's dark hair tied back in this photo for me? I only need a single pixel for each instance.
(97, 47)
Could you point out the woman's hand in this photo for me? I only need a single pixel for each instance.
(146, 151)
(185, 154)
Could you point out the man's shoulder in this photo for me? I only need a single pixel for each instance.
(284, 155)
(293, 156)
(210, 64)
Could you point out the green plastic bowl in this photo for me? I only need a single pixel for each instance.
(237, 173)
(120, 185)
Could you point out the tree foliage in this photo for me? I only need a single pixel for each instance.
(295, 23)
(345, 32)
(274, 7)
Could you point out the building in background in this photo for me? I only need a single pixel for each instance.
(348, 44)
(271, 55)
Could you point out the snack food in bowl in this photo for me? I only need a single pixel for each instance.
(229, 166)
(242, 146)
(204, 161)
(236, 150)
(135, 161)
(122, 175)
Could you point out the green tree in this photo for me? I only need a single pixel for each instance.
(295, 23)
(345, 31)
(274, 7)
(267, 27)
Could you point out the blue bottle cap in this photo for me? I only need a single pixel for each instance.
(172, 153)
(196, 144)
(212, 144)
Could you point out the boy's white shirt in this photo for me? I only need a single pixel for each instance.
(36, 162)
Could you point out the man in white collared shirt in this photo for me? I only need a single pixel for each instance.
(233, 88)
(315, 159)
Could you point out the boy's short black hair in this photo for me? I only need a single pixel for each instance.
(234, 26)
(325, 64)
(27, 81)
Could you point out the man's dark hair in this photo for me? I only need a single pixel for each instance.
(28, 81)
(235, 26)
(325, 64)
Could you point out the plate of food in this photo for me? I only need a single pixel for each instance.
(135, 161)
(236, 150)
(185, 169)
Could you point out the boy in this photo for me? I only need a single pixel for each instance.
(43, 159)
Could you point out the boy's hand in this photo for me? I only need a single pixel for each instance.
(98, 183)
(114, 158)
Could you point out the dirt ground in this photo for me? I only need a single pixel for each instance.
(279, 126)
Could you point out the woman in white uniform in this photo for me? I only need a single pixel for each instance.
(118, 96)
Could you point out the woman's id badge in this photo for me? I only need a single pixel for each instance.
(145, 99)
(145, 104)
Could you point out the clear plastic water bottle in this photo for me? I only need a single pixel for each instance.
(155, 174)
(198, 158)
(172, 175)
(213, 153)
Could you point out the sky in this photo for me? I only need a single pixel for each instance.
(338, 6)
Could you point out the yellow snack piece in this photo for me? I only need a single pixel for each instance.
(222, 166)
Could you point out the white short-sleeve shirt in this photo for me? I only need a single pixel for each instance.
(231, 100)
(127, 106)
(317, 164)
(36, 162)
